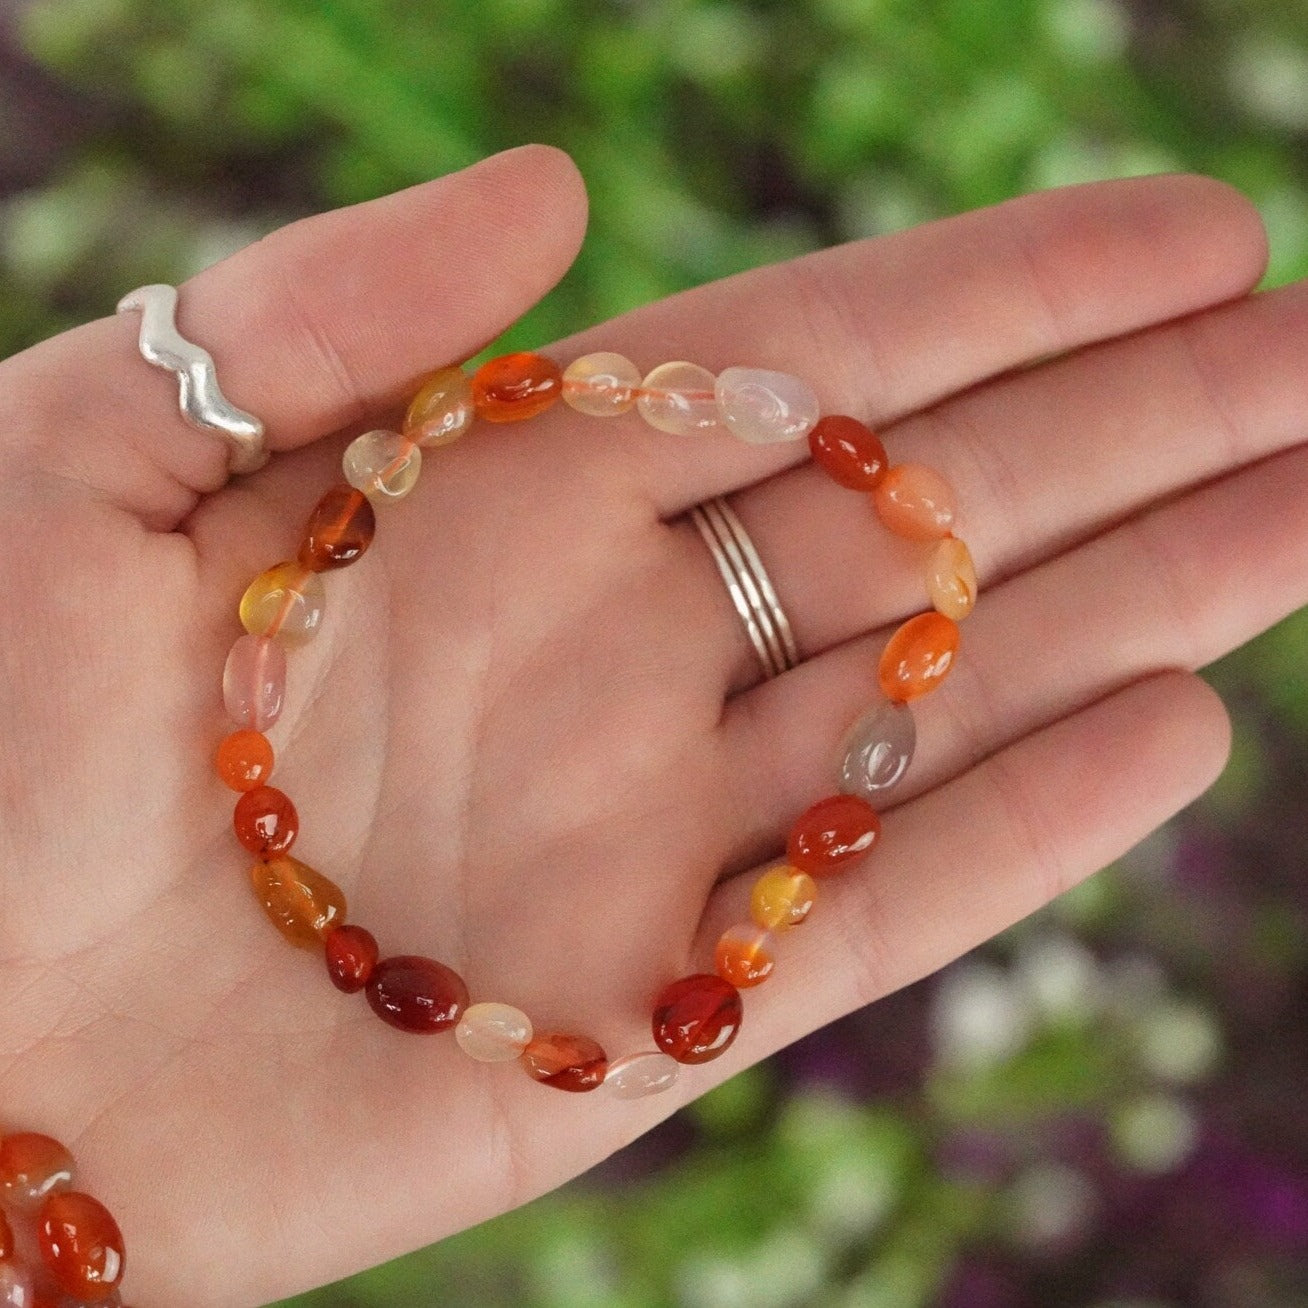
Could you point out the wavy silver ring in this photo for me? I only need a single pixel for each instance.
(200, 399)
(748, 584)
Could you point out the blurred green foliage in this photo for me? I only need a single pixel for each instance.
(716, 135)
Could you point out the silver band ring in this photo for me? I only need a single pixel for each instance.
(748, 585)
(200, 399)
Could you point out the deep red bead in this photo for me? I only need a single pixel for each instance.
(697, 1017)
(351, 956)
(265, 821)
(81, 1245)
(339, 529)
(851, 454)
(416, 994)
(834, 832)
(831, 833)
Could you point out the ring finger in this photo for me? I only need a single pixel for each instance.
(1151, 593)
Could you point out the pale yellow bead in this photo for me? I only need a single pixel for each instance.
(382, 464)
(285, 601)
(782, 897)
(601, 385)
(442, 410)
(679, 398)
(951, 579)
(493, 1033)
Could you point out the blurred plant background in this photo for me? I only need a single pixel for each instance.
(1106, 1107)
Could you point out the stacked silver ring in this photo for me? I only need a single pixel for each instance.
(747, 583)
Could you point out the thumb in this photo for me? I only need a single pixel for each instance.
(311, 328)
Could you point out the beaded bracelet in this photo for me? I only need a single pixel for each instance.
(695, 1018)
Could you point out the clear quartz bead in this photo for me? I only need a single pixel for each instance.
(877, 749)
(601, 385)
(647, 1073)
(382, 464)
(254, 682)
(762, 407)
(679, 398)
(493, 1033)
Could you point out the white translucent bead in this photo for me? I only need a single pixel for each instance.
(763, 407)
(493, 1033)
(382, 464)
(877, 749)
(601, 385)
(679, 398)
(647, 1073)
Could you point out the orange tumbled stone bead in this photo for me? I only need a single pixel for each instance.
(515, 386)
(849, 452)
(917, 658)
(32, 1167)
(351, 954)
(339, 530)
(300, 902)
(915, 501)
(782, 898)
(744, 955)
(81, 1245)
(832, 833)
(244, 759)
(567, 1062)
(265, 821)
(6, 1237)
(697, 1017)
(442, 409)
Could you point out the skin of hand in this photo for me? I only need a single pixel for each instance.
(532, 740)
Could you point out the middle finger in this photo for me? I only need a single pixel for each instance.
(1040, 460)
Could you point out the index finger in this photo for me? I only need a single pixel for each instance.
(887, 326)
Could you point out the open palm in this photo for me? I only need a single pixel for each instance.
(531, 740)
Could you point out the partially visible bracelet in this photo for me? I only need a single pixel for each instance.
(79, 1245)
(694, 1018)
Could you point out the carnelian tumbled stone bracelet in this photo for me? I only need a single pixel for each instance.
(694, 1018)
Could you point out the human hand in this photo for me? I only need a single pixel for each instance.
(531, 740)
